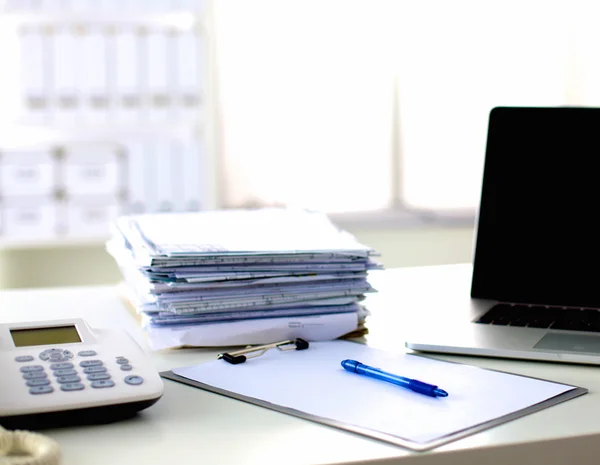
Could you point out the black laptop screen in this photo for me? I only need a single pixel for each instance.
(538, 234)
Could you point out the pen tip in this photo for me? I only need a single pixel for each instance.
(440, 392)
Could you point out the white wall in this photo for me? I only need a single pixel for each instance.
(72, 266)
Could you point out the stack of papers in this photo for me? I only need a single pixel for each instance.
(237, 277)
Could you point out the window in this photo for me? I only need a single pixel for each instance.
(351, 106)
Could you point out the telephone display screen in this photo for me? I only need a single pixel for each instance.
(45, 336)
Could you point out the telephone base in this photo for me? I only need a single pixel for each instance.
(85, 416)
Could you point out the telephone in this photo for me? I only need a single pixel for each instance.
(63, 372)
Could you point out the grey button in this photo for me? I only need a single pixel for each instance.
(57, 358)
(134, 380)
(38, 382)
(68, 379)
(44, 356)
(122, 361)
(65, 372)
(89, 370)
(98, 376)
(87, 353)
(103, 383)
(61, 366)
(126, 367)
(72, 387)
(90, 363)
(35, 375)
(41, 390)
(54, 351)
(30, 368)
(23, 358)
(68, 353)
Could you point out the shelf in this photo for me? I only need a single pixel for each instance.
(58, 242)
(178, 20)
(26, 135)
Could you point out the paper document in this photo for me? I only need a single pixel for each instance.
(258, 331)
(477, 398)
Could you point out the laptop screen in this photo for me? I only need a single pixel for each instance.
(538, 234)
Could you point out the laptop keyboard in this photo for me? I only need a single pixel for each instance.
(573, 319)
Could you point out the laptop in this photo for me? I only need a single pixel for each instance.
(535, 287)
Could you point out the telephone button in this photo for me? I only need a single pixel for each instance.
(68, 379)
(41, 390)
(91, 363)
(35, 375)
(98, 376)
(65, 372)
(89, 370)
(61, 366)
(87, 353)
(105, 383)
(72, 387)
(126, 367)
(122, 360)
(24, 358)
(134, 380)
(38, 382)
(31, 368)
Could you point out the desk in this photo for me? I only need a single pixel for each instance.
(190, 426)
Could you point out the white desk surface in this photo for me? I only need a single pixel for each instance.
(191, 426)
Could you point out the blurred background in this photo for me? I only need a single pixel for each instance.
(372, 111)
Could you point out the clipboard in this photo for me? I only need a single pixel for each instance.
(311, 384)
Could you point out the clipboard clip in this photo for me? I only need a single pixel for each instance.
(240, 356)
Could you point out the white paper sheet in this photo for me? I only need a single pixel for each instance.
(312, 381)
(260, 331)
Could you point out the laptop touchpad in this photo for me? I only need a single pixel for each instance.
(569, 343)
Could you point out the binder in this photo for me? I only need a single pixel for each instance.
(35, 72)
(311, 384)
(127, 76)
(188, 73)
(65, 75)
(94, 79)
(157, 73)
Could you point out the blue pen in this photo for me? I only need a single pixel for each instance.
(412, 384)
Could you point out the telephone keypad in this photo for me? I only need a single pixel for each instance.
(66, 374)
